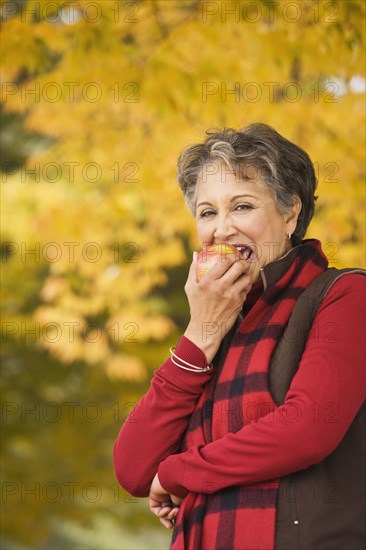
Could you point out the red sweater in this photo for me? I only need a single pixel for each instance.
(325, 395)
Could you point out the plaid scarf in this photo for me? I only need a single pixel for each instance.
(243, 517)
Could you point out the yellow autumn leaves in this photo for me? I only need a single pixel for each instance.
(121, 88)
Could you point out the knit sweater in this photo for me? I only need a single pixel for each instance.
(325, 395)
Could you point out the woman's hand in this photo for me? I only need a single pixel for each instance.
(216, 301)
(162, 504)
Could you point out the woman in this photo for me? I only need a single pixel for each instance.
(209, 444)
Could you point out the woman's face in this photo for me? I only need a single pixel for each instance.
(242, 212)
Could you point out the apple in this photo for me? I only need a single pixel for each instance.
(212, 254)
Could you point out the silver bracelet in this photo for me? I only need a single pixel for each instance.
(189, 367)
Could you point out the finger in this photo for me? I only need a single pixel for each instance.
(164, 511)
(155, 507)
(167, 523)
(192, 268)
(237, 271)
(242, 281)
(166, 503)
(173, 514)
(155, 511)
(224, 265)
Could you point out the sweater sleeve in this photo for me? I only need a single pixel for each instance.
(154, 428)
(324, 397)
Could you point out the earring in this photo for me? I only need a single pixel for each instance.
(289, 235)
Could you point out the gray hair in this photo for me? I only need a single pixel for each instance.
(283, 167)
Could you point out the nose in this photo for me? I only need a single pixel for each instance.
(224, 228)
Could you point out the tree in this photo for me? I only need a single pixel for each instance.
(111, 83)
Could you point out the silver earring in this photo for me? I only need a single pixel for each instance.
(289, 235)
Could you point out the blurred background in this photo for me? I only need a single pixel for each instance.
(98, 99)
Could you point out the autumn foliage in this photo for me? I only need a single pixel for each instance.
(121, 88)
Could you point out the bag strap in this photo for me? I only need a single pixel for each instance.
(287, 354)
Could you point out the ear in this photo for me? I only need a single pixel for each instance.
(291, 216)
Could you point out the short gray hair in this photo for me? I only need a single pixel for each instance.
(285, 169)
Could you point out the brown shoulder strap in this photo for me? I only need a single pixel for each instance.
(287, 355)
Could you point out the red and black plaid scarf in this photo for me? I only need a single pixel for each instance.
(243, 517)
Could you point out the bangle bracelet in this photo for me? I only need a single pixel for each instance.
(195, 369)
(189, 367)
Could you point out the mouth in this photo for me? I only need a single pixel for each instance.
(245, 251)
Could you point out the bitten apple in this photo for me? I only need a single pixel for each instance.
(212, 254)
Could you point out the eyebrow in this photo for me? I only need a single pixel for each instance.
(231, 200)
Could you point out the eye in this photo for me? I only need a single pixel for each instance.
(206, 213)
(243, 207)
